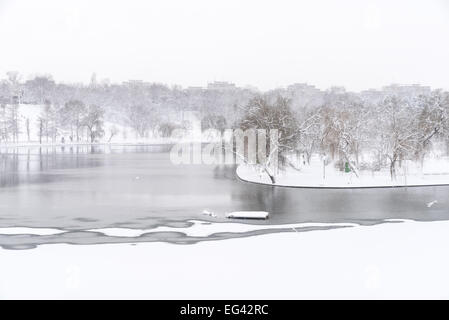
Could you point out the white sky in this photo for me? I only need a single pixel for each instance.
(358, 44)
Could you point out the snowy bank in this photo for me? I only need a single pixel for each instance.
(397, 260)
(434, 173)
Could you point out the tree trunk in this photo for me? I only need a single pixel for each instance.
(353, 169)
(393, 169)
(28, 129)
(271, 176)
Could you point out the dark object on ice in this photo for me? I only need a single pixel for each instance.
(263, 215)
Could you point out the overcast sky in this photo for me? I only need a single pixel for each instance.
(353, 43)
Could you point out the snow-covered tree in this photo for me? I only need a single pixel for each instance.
(213, 121)
(49, 121)
(140, 118)
(396, 131)
(13, 121)
(276, 117)
(113, 131)
(432, 121)
(344, 130)
(309, 121)
(72, 114)
(93, 120)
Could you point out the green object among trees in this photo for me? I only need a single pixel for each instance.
(347, 169)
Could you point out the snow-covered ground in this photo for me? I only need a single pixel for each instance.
(395, 260)
(123, 133)
(435, 171)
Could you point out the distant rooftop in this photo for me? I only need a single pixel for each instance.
(135, 83)
(193, 88)
(221, 85)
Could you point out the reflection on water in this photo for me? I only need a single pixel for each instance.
(80, 187)
(19, 165)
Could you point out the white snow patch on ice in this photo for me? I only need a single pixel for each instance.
(119, 232)
(209, 213)
(33, 231)
(399, 220)
(199, 229)
(430, 204)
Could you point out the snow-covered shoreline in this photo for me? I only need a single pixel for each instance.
(301, 179)
(116, 132)
(81, 144)
(397, 260)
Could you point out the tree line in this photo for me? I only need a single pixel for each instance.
(346, 129)
(147, 108)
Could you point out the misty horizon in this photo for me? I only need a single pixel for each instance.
(358, 45)
(106, 81)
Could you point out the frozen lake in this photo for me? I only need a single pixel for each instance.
(90, 187)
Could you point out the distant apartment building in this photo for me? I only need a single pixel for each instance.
(401, 90)
(303, 88)
(372, 95)
(221, 85)
(135, 83)
(304, 95)
(406, 90)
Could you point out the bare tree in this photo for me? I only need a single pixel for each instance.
(432, 122)
(4, 123)
(396, 131)
(93, 121)
(113, 131)
(40, 124)
(345, 130)
(72, 115)
(309, 132)
(213, 121)
(13, 120)
(167, 128)
(40, 88)
(27, 125)
(261, 114)
(49, 119)
(139, 117)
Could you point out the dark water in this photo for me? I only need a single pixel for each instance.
(78, 188)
